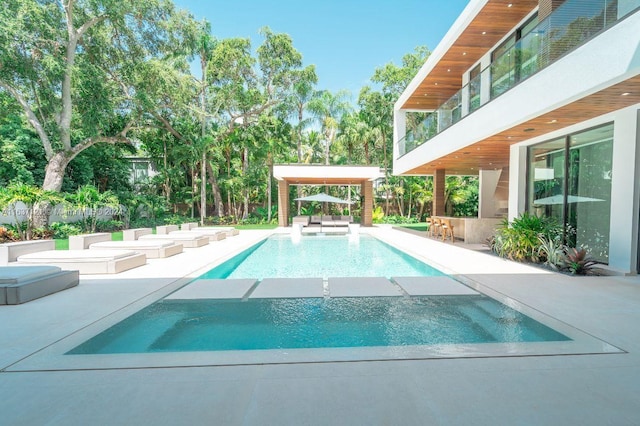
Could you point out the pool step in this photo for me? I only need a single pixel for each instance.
(482, 319)
(134, 339)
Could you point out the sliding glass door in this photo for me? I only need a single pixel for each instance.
(570, 180)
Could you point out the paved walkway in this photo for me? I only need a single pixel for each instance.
(597, 389)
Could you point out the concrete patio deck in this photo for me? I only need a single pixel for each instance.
(564, 389)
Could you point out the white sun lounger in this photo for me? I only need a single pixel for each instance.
(153, 249)
(102, 241)
(230, 231)
(87, 261)
(213, 235)
(20, 284)
(191, 226)
(187, 240)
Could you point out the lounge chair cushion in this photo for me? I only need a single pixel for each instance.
(133, 245)
(15, 274)
(76, 255)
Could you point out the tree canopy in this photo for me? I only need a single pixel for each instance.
(86, 83)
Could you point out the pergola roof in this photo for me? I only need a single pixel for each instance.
(315, 174)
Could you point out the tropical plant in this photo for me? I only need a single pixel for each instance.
(519, 240)
(7, 235)
(91, 203)
(551, 252)
(377, 215)
(29, 196)
(579, 262)
(62, 230)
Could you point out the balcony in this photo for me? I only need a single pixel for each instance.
(568, 27)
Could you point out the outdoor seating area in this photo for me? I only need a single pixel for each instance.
(323, 223)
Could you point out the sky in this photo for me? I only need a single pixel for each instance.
(346, 40)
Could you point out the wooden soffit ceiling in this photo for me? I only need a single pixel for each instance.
(490, 25)
(493, 152)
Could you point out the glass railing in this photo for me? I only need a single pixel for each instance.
(568, 27)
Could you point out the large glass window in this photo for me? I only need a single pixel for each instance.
(474, 88)
(570, 180)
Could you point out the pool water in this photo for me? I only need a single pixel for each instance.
(218, 325)
(322, 257)
(209, 324)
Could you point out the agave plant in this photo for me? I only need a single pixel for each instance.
(551, 251)
(578, 261)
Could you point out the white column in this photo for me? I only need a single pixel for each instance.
(623, 237)
(488, 183)
(399, 131)
(517, 181)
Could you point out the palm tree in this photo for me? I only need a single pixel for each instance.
(328, 110)
(90, 202)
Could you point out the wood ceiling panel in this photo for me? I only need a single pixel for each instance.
(493, 152)
(495, 20)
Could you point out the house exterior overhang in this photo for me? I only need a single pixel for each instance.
(312, 174)
(480, 26)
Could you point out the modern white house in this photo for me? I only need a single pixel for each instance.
(541, 100)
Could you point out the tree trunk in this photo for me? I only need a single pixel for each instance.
(53, 177)
(269, 178)
(203, 188)
(215, 189)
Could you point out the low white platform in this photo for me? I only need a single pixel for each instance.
(87, 261)
(214, 289)
(433, 286)
(187, 240)
(361, 287)
(288, 288)
(153, 249)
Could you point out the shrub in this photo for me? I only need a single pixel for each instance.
(62, 230)
(377, 215)
(519, 240)
(7, 235)
(578, 261)
(551, 252)
(41, 234)
(109, 225)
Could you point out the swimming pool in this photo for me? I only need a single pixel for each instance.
(258, 324)
(402, 302)
(326, 256)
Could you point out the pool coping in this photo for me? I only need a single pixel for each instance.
(52, 356)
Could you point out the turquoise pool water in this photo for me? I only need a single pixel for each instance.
(322, 257)
(178, 325)
(218, 325)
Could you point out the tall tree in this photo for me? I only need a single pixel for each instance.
(72, 67)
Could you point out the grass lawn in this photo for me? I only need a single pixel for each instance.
(415, 226)
(257, 226)
(63, 243)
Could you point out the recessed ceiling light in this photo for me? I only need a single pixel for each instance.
(510, 4)
(448, 69)
(626, 94)
(435, 84)
(484, 32)
(552, 121)
(464, 53)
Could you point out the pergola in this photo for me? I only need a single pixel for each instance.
(312, 174)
